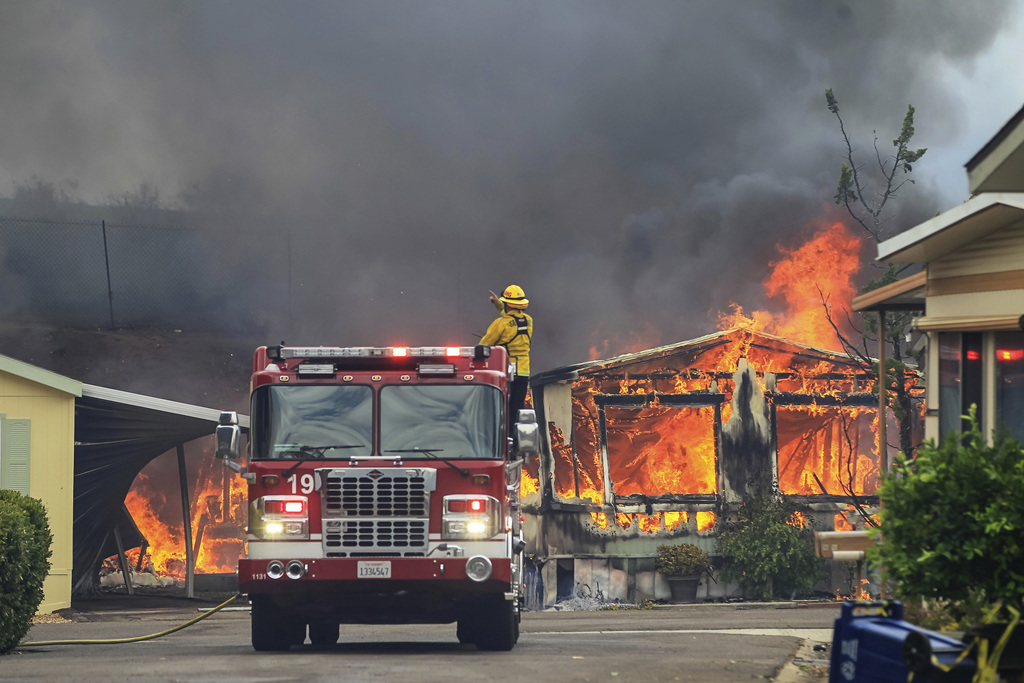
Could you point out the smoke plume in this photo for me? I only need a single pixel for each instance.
(631, 165)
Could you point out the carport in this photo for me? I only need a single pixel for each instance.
(117, 434)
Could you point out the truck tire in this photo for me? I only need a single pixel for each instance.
(497, 626)
(323, 633)
(270, 626)
(296, 632)
(465, 629)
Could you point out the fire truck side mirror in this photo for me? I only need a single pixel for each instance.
(228, 435)
(528, 433)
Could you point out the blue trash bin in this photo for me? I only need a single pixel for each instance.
(872, 644)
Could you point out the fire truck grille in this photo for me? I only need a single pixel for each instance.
(376, 511)
(375, 537)
(375, 494)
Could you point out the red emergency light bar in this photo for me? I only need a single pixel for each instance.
(285, 507)
(467, 505)
(278, 353)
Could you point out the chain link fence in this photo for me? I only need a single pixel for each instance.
(94, 273)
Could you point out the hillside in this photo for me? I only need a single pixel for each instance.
(201, 369)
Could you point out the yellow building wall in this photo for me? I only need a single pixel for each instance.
(51, 473)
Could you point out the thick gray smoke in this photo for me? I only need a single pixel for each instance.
(631, 165)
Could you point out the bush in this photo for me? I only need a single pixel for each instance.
(25, 541)
(682, 560)
(952, 522)
(766, 553)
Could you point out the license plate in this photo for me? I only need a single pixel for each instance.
(373, 570)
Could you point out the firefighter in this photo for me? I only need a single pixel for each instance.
(513, 329)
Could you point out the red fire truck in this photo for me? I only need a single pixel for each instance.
(383, 488)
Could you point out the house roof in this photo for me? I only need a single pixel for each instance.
(40, 376)
(999, 165)
(572, 372)
(158, 405)
(954, 229)
(907, 294)
(118, 433)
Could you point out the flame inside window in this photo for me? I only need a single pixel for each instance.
(661, 449)
(828, 443)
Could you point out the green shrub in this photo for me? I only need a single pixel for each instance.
(681, 560)
(766, 553)
(952, 523)
(25, 551)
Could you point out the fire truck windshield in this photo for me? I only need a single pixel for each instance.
(460, 421)
(311, 421)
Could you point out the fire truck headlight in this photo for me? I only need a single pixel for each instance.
(283, 518)
(469, 517)
(478, 568)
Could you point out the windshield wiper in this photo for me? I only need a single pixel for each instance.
(432, 453)
(307, 453)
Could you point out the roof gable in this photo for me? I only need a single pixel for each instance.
(999, 165)
(951, 230)
(40, 376)
(693, 347)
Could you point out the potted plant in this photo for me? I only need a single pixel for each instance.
(683, 566)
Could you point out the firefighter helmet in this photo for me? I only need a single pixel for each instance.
(514, 297)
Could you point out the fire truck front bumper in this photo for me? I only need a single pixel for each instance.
(286, 575)
(377, 591)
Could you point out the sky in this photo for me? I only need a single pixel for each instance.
(634, 166)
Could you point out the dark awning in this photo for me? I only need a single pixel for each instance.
(116, 435)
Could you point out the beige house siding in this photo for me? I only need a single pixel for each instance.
(52, 414)
(998, 303)
(979, 286)
(1001, 251)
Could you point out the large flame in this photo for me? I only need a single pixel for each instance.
(631, 444)
(218, 518)
(813, 279)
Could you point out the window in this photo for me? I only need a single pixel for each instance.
(1009, 361)
(961, 364)
(661, 449)
(830, 445)
(310, 421)
(450, 421)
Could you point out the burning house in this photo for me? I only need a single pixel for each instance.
(654, 447)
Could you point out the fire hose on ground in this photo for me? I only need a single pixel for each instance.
(137, 639)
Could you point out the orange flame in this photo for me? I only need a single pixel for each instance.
(841, 523)
(860, 594)
(528, 485)
(823, 267)
(216, 527)
(642, 446)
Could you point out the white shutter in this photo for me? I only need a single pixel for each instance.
(15, 455)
